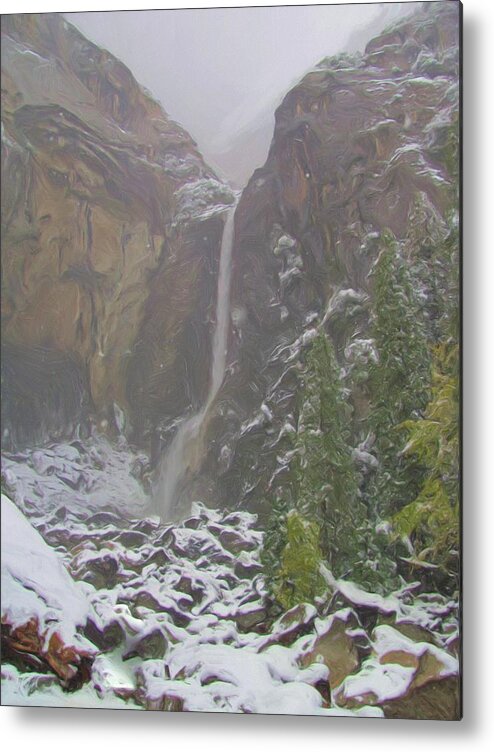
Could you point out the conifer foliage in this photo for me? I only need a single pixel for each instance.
(431, 520)
(362, 525)
(325, 475)
(399, 380)
(320, 516)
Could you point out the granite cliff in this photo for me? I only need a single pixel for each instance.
(171, 347)
(111, 232)
(362, 145)
(112, 227)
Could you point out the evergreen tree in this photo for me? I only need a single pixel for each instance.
(431, 248)
(318, 509)
(399, 381)
(325, 476)
(431, 520)
(275, 540)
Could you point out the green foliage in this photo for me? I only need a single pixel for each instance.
(325, 476)
(399, 381)
(432, 519)
(432, 248)
(447, 150)
(318, 512)
(321, 495)
(299, 580)
(275, 537)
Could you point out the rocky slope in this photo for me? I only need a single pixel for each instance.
(111, 230)
(142, 615)
(361, 145)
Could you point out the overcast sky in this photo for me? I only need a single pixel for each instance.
(215, 71)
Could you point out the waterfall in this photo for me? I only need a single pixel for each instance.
(181, 450)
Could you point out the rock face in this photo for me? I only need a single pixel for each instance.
(111, 229)
(112, 225)
(361, 145)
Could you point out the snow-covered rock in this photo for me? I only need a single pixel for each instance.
(43, 609)
(175, 617)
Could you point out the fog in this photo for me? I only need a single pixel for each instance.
(222, 72)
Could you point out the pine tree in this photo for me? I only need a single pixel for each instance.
(399, 381)
(275, 540)
(325, 476)
(320, 499)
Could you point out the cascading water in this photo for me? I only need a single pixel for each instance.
(176, 461)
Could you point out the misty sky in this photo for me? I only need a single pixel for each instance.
(220, 72)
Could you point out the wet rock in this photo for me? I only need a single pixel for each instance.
(158, 557)
(72, 479)
(102, 519)
(193, 523)
(148, 526)
(158, 604)
(436, 701)
(246, 567)
(167, 701)
(292, 624)
(101, 570)
(191, 587)
(411, 630)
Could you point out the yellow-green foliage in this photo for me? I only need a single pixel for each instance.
(432, 519)
(299, 579)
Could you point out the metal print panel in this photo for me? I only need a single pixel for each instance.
(230, 360)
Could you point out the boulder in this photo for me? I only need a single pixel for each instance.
(336, 645)
(28, 646)
(151, 644)
(235, 542)
(249, 616)
(43, 609)
(406, 679)
(293, 623)
(106, 636)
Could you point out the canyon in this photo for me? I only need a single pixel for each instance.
(158, 331)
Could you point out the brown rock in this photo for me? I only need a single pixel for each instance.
(72, 665)
(235, 542)
(97, 277)
(406, 679)
(292, 624)
(436, 701)
(335, 647)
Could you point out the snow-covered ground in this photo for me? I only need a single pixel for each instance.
(173, 617)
